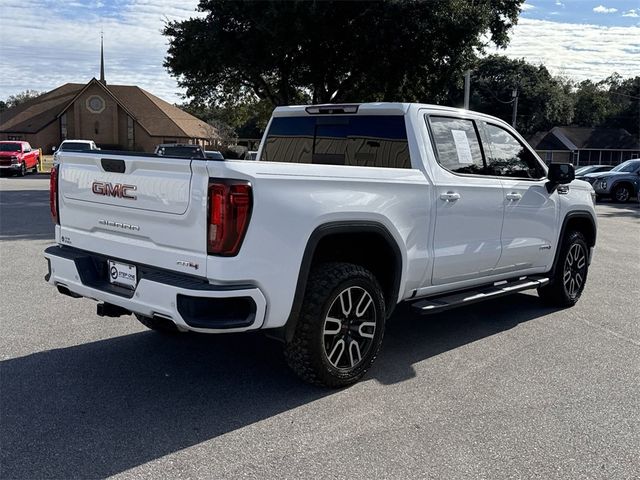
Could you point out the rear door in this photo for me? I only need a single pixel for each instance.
(469, 205)
(143, 209)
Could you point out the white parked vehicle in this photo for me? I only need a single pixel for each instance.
(251, 155)
(348, 211)
(73, 146)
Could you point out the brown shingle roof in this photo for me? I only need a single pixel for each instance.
(601, 138)
(157, 117)
(546, 141)
(35, 114)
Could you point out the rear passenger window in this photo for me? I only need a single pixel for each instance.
(457, 144)
(507, 157)
(359, 140)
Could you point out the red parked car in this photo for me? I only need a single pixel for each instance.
(18, 157)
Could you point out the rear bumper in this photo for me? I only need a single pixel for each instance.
(190, 302)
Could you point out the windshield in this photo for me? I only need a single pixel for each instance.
(10, 147)
(627, 167)
(75, 146)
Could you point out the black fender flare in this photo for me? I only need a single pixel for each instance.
(332, 228)
(584, 214)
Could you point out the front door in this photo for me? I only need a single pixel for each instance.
(531, 212)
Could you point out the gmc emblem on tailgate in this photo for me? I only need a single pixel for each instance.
(118, 190)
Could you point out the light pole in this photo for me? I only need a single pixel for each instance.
(514, 95)
(467, 88)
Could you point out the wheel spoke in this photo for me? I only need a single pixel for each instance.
(363, 304)
(337, 325)
(354, 353)
(346, 303)
(567, 276)
(570, 257)
(578, 280)
(336, 353)
(364, 325)
(581, 261)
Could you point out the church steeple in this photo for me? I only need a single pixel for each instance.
(102, 80)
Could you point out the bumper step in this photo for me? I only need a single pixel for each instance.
(468, 297)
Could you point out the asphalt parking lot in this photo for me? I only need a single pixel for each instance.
(506, 389)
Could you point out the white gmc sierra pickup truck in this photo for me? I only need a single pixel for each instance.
(349, 210)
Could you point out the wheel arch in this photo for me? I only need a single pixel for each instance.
(337, 241)
(632, 187)
(581, 220)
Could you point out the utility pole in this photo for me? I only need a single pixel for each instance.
(467, 88)
(514, 115)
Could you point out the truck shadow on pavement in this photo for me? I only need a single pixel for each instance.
(620, 210)
(101, 408)
(25, 215)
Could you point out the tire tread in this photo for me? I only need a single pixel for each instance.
(300, 352)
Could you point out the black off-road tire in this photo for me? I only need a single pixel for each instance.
(158, 324)
(621, 193)
(35, 168)
(557, 293)
(306, 353)
(23, 170)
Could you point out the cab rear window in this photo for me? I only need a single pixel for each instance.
(354, 140)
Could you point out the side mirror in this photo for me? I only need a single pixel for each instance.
(560, 174)
(53, 149)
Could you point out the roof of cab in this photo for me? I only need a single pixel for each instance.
(374, 108)
(381, 108)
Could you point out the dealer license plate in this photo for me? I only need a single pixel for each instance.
(123, 274)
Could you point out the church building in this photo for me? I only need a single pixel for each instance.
(115, 117)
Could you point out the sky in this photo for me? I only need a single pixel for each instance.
(46, 43)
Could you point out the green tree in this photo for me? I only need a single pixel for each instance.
(246, 118)
(624, 98)
(592, 104)
(544, 101)
(613, 102)
(284, 52)
(22, 97)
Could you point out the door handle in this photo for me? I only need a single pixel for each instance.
(450, 196)
(513, 196)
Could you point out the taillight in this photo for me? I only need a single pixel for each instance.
(229, 213)
(53, 194)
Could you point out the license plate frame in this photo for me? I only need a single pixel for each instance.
(122, 274)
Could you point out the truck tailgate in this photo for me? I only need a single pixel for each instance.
(146, 209)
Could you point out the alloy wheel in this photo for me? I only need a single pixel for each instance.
(349, 328)
(575, 270)
(622, 194)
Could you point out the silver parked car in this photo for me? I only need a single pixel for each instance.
(621, 183)
(582, 172)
